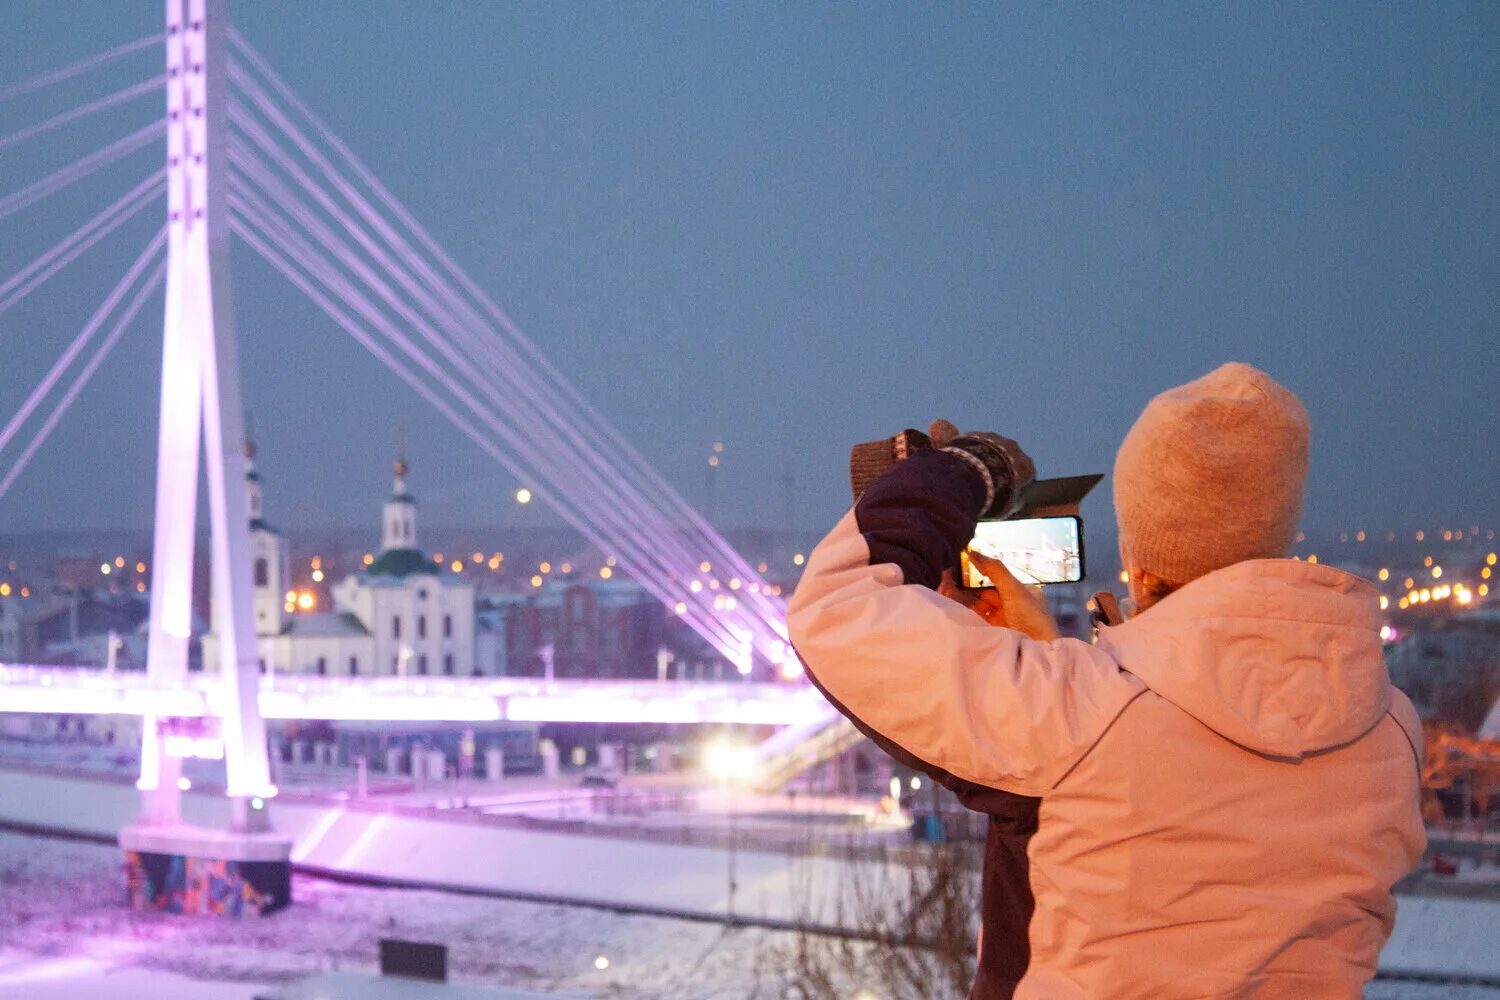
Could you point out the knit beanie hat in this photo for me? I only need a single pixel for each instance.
(1212, 474)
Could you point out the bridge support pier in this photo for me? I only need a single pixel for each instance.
(244, 868)
(202, 872)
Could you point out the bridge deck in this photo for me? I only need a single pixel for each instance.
(88, 691)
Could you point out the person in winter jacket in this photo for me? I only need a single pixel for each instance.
(1212, 800)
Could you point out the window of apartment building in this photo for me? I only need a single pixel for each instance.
(422, 664)
(447, 663)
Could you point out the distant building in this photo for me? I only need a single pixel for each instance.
(76, 628)
(401, 615)
(589, 627)
(1451, 671)
(10, 631)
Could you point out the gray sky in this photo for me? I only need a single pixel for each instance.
(792, 227)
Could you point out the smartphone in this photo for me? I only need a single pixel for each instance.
(1034, 549)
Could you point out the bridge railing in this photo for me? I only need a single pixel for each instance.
(91, 691)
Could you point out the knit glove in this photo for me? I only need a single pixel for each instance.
(1007, 470)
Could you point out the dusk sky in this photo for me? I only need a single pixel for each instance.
(791, 227)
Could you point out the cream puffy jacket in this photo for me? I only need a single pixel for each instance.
(1228, 783)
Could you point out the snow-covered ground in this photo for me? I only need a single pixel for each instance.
(65, 933)
(64, 927)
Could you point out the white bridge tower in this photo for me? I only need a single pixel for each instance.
(201, 408)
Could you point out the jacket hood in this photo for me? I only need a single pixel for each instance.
(1281, 656)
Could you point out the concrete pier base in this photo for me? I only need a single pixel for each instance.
(197, 871)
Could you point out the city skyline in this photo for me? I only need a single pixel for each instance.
(735, 253)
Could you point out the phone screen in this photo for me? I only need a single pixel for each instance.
(1035, 550)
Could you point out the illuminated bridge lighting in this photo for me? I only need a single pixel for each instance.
(84, 691)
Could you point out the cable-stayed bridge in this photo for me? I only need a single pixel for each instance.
(245, 156)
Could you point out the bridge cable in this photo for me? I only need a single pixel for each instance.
(84, 110)
(101, 314)
(81, 168)
(60, 74)
(23, 282)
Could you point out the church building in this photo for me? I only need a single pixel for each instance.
(401, 615)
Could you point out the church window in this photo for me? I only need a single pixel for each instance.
(262, 572)
(421, 626)
(353, 665)
(396, 627)
(447, 626)
(322, 665)
(422, 664)
(448, 663)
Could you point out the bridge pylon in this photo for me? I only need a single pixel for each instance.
(201, 408)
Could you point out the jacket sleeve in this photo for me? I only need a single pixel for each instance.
(984, 704)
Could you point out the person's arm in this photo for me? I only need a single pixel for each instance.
(983, 704)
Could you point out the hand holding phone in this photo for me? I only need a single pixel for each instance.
(1007, 603)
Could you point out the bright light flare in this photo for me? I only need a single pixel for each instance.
(725, 761)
